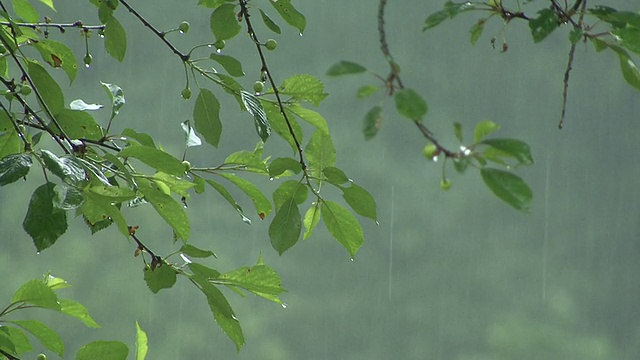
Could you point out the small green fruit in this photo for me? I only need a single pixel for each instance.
(25, 89)
(445, 184)
(41, 357)
(187, 166)
(271, 44)
(220, 44)
(431, 151)
(2, 49)
(184, 27)
(88, 59)
(186, 93)
(258, 86)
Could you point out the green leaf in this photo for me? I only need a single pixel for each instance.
(227, 196)
(221, 310)
(279, 165)
(116, 95)
(49, 3)
(476, 31)
(213, 3)
(508, 187)
(206, 115)
(285, 227)
(115, 39)
(203, 272)
(629, 69)
(58, 54)
(366, 91)
(229, 63)
(259, 279)
(175, 184)
(271, 25)
(279, 124)
(43, 222)
(261, 203)
(343, 226)
(15, 340)
(254, 107)
(49, 338)
(66, 167)
(457, 130)
(290, 14)
(10, 143)
(103, 350)
(37, 293)
(192, 251)
(360, 201)
(47, 86)
(78, 311)
(320, 153)
(344, 68)
(14, 167)
(290, 189)
(512, 147)
(483, 129)
(576, 35)
(410, 104)
(372, 122)
(248, 160)
(617, 19)
(79, 124)
(450, 10)
(155, 158)
(335, 176)
(169, 209)
(304, 87)
(162, 277)
(67, 197)
(99, 211)
(141, 138)
(223, 22)
(142, 343)
(311, 220)
(310, 117)
(25, 10)
(544, 24)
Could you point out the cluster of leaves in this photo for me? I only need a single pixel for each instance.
(97, 164)
(603, 26)
(42, 294)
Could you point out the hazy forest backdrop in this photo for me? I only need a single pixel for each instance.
(446, 275)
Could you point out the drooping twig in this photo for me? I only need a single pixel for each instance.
(393, 80)
(567, 73)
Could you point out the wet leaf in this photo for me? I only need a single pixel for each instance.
(483, 129)
(229, 63)
(48, 87)
(344, 68)
(410, 104)
(290, 14)
(450, 10)
(311, 220)
(227, 196)
(304, 87)
(43, 222)
(103, 350)
(517, 149)
(343, 226)
(155, 158)
(279, 165)
(47, 337)
(206, 115)
(195, 252)
(476, 31)
(372, 122)
(260, 120)
(286, 226)
(223, 22)
(142, 343)
(169, 209)
(290, 189)
(360, 201)
(320, 153)
(271, 25)
(14, 167)
(78, 311)
(260, 280)
(543, 25)
(508, 187)
(115, 39)
(162, 277)
(37, 293)
(260, 202)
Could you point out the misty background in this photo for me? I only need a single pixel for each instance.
(445, 275)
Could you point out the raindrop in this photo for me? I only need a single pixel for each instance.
(87, 66)
(37, 252)
(377, 223)
(209, 46)
(300, 34)
(218, 51)
(435, 159)
(284, 305)
(270, 179)
(185, 206)
(101, 35)
(352, 259)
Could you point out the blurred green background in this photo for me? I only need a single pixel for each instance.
(446, 275)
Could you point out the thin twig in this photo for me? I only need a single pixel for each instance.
(61, 26)
(160, 34)
(567, 73)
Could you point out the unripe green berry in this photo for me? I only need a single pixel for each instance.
(41, 357)
(445, 184)
(88, 59)
(431, 151)
(184, 27)
(186, 93)
(271, 44)
(187, 166)
(220, 44)
(25, 89)
(258, 86)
